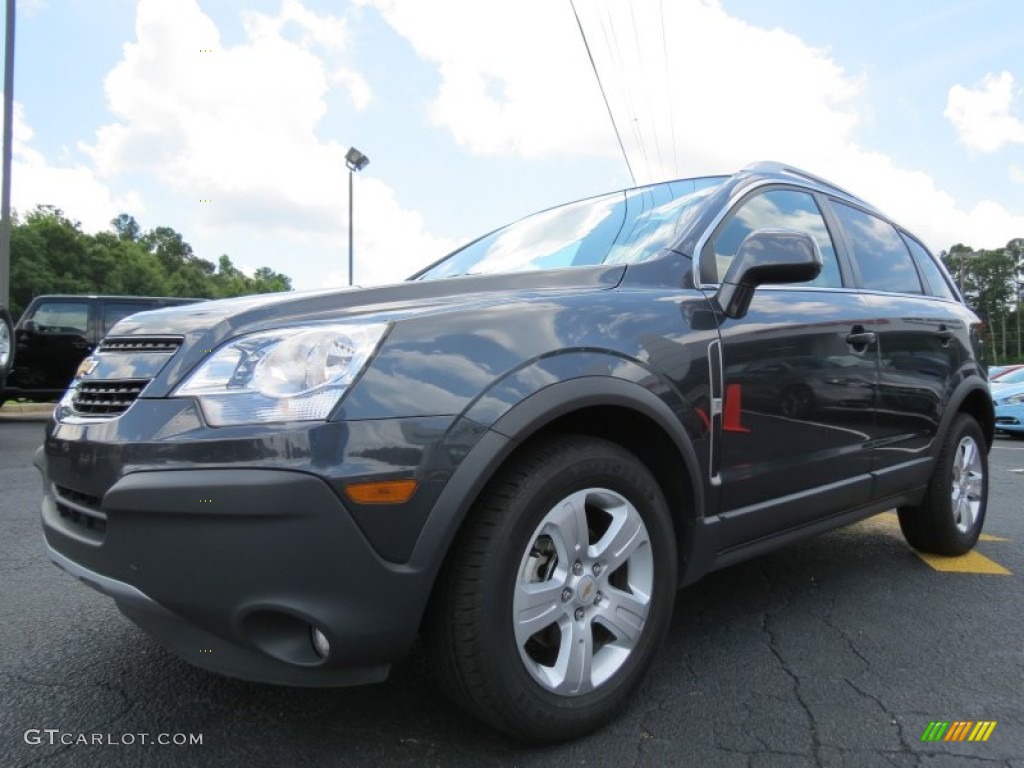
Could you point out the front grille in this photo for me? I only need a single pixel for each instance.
(82, 511)
(106, 398)
(161, 344)
(1007, 420)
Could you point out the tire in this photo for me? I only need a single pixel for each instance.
(522, 553)
(6, 342)
(950, 518)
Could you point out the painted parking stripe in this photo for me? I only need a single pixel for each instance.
(990, 537)
(972, 562)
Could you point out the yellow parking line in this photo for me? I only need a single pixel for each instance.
(972, 562)
(989, 537)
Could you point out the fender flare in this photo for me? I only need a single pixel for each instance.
(965, 389)
(521, 422)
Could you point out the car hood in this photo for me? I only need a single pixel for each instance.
(1002, 391)
(206, 325)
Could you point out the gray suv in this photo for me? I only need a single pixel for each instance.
(522, 452)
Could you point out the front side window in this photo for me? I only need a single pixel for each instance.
(880, 255)
(775, 209)
(620, 228)
(61, 317)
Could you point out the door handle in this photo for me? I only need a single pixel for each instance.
(861, 338)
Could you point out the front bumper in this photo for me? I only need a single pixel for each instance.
(231, 569)
(229, 546)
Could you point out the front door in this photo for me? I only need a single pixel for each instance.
(799, 383)
(52, 341)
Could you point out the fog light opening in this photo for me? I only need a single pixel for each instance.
(320, 643)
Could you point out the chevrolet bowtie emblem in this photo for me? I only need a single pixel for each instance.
(86, 367)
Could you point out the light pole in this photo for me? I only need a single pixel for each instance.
(356, 161)
(5, 192)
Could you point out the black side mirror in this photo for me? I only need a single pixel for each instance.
(767, 256)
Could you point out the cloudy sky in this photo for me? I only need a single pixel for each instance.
(228, 120)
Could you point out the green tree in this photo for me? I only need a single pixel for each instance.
(988, 280)
(51, 254)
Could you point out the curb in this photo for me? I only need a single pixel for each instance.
(26, 411)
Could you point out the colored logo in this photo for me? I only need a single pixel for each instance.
(958, 730)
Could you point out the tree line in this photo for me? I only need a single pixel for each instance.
(51, 254)
(992, 282)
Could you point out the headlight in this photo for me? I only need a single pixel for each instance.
(1013, 399)
(291, 374)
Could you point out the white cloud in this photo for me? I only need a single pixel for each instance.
(1016, 174)
(238, 125)
(514, 78)
(522, 83)
(694, 91)
(982, 115)
(75, 189)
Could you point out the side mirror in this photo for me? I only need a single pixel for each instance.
(767, 256)
(30, 326)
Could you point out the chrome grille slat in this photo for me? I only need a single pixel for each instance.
(130, 344)
(101, 398)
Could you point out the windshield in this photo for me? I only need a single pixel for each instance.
(619, 228)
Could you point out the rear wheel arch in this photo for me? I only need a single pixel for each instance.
(972, 398)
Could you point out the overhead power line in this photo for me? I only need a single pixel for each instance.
(604, 96)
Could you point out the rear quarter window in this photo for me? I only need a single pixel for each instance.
(937, 283)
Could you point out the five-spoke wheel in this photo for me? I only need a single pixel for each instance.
(949, 519)
(558, 590)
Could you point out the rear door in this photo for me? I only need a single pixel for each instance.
(798, 392)
(923, 338)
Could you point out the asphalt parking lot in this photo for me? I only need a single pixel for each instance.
(836, 652)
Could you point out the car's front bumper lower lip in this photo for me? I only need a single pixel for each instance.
(204, 649)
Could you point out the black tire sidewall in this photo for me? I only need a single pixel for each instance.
(930, 525)
(965, 426)
(609, 467)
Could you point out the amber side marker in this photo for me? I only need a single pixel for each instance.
(386, 492)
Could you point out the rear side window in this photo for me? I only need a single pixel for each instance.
(112, 313)
(774, 209)
(937, 283)
(881, 257)
(61, 317)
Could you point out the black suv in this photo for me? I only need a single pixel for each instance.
(522, 452)
(56, 333)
